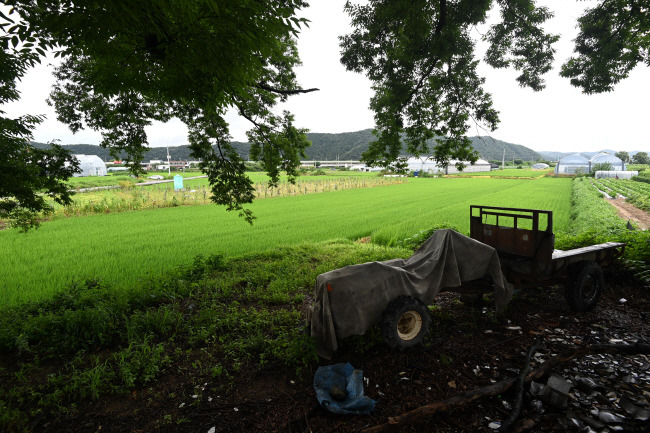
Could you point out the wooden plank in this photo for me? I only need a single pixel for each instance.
(559, 254)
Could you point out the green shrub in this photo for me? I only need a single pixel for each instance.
(601, 166)
(643, 179)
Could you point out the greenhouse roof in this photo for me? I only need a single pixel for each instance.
(574, 160)
(605, 157)
(89, 159)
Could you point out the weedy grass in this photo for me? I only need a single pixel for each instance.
(208, 319)
(121, 248)
(95, 181)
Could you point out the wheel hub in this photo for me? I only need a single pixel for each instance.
(409, 325)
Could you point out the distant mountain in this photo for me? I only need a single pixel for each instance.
(325, 147)
(350, 146)
(552, 155)
(492, 149)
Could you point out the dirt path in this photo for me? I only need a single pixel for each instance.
(629, 212)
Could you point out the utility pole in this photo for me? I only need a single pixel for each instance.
(503, 161)
(169, 166)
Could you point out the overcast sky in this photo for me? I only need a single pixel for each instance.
(560, 118)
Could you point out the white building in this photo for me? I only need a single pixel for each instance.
(425, 164)
(363, 167)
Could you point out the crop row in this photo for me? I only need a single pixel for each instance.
(589, 212)
(636, 193)
(603, 188)
(123, 247)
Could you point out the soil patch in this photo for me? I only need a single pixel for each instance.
(631, 213)
(469, 347)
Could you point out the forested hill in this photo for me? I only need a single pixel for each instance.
(492, 149)
(350, 146)
(325, 147)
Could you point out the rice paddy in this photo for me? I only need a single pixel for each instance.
(509, 173)
(123, 247)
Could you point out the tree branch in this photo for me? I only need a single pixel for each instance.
(284, 92)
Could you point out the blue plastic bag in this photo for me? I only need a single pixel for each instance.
(345, 377)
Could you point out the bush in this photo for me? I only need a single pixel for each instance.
(603, 166)
(643, 179)
(254, 166)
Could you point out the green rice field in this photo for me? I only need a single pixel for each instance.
(123, 247)
(509, 172)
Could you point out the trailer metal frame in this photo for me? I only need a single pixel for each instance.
(526, 245)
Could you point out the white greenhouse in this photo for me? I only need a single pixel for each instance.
(539, 166)
(90, 165)
(616, 174)
(572, 164)
(606, 158)
(425, 164)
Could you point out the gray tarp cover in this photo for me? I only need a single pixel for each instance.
(358, 294)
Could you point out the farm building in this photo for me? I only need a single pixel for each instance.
(616, 174)
(426, 165)
(90, 165)
(539, 166)
(572, 164)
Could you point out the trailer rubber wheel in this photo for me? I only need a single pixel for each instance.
(405, 323)
(584, 287)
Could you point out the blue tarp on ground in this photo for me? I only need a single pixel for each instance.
(345, 377)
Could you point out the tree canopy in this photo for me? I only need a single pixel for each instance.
(614, 37)
(420, 57)
(641, 158)
(623, 156)
(127, 64)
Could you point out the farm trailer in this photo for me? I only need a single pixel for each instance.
(508, 249)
